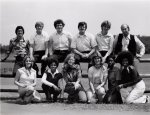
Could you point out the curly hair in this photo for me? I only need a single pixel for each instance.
(59, 21)
(127, 55)
(51, 60)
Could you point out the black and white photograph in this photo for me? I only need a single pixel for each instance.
(74, 57)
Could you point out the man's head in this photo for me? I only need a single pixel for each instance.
(105, 26)
(125, 29)
(82, 26)
(59, 24)
(39, 27)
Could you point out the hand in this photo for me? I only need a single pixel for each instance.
(103, 59)
(32, 58)
(119, 86)
(29, 87)
(83, 56)
(138, 55)
(55, 87)
(77, 86)
(44, 57)
(23, 85)
(87, 55)
(98, 87)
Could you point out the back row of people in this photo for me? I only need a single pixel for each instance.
(84, 45)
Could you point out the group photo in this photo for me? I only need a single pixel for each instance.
(71, 56)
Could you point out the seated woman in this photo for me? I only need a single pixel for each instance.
(131, 86)
(72, 74)
(25, 79)
(97, 75)
(112, 95)
(50, 80)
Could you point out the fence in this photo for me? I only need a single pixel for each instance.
(143, 60)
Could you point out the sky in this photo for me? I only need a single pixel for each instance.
(135, 13)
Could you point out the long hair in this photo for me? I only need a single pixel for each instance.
(24, 61)
(66, 66)
(93, 59)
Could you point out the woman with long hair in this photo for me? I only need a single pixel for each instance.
(25, 79)
(72, 76)
(97, 75)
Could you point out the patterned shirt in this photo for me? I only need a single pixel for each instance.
(71, 74)
(19, 46)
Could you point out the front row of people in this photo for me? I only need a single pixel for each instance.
(111, 84)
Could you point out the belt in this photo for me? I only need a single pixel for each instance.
(61, 51)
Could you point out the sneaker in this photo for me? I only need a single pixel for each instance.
(147, 99)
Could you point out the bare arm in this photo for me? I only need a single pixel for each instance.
(16, 81)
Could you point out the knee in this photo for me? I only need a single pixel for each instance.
(128, 101)
(101, 91)
(82, 97)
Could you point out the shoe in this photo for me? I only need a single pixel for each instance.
(147, 99)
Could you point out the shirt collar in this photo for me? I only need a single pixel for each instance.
(61, 33)
(100, 34)
(54, 72)
(128, 37)
(82, 35)
(127, 68)
(42, 34)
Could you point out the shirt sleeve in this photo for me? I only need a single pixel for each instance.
(93, 41)
(140, 46)
(73, 43)
(31, 40)
(135, 76)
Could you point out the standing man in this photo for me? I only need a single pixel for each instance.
(128, 42)
(83, 44)
(38, 47)
(60, 41)
(104, 41)
(20, 47)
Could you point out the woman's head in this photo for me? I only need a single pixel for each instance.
(19, 31)
(70, 59)
(52, 64)
(28, 63)
(125, 58)
(96, 60)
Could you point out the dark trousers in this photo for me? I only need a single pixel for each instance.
(61, 55)
(18, 64)
(49, 91)
(87, 60)
(38, 55)
(103, 53)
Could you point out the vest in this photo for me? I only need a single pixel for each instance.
(131, 46)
